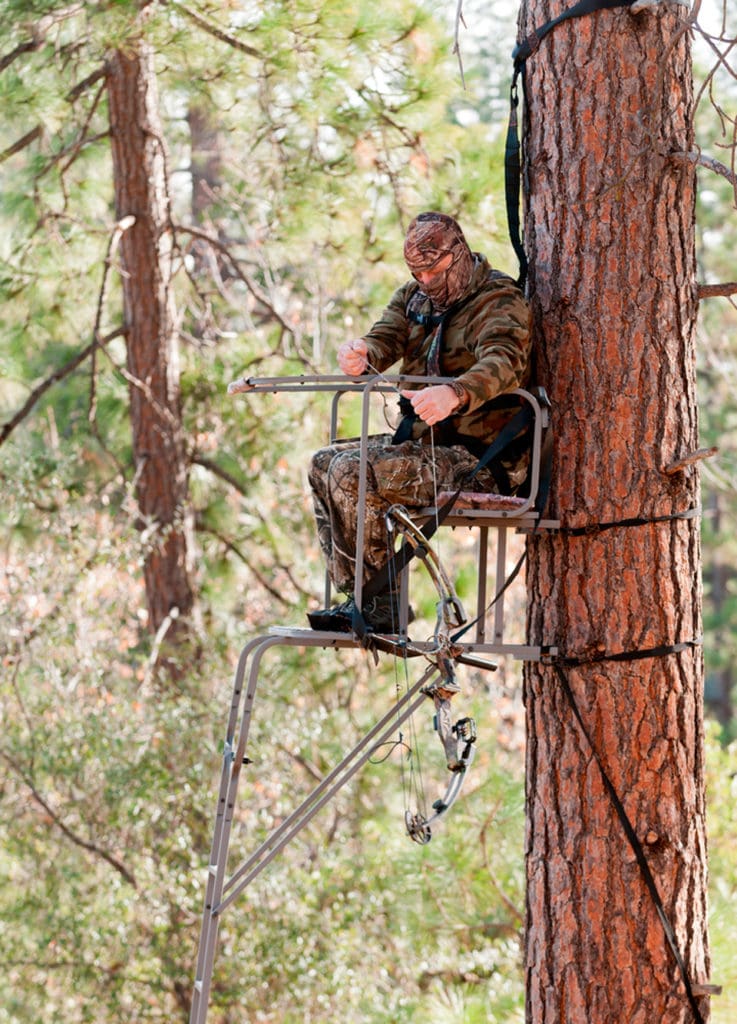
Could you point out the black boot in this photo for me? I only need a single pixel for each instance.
(338, 619)
(381, 615)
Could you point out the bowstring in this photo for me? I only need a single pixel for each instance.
(411, 778)
(390, 384)
(415, 787)
(435, 493)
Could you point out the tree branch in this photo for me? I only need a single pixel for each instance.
(230, 546)
(84, 85)
(712, 291)
(38, 34)
(55, 377)
(36, 132)
(710, 162)
(508, 903)
(21, 143)
(202, 460)
(85, 844)
(122, 226)
(457, 42)
(218, 33)
(28, 47)
(239, 272)
(312, 770)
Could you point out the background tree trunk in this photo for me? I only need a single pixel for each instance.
(139, 170)
(720, 582)
(610, 236)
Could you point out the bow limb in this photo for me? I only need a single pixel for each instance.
(459, 744)
(457, 739)
(450, 609)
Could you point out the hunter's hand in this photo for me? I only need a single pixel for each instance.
(433, 404)
(353, 357)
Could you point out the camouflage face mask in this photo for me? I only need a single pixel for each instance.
(436, 244)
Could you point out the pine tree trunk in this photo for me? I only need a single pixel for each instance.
(146, 251)
(610, 237)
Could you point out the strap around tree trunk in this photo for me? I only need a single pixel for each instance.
(528, 46)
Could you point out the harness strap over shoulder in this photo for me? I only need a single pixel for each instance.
(431, 322)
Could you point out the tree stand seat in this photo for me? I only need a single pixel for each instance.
(480, 502)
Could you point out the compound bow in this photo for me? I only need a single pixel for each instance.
(458, 739)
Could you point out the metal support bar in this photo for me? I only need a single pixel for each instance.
(233, 760)
(324, 792)
(481, 586)
(234, 757)
(501, 575)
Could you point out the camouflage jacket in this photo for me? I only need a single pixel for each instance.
(485, 345)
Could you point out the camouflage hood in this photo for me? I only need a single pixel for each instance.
(435, 240)
(485, 345)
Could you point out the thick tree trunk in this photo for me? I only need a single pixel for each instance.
(160, 459)
(610, 236)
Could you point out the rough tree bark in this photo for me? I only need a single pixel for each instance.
(139, 170)
(610, 236)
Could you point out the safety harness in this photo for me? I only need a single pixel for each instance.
(444, 433)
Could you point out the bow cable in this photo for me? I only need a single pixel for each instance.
(412, 782)
(457, 740)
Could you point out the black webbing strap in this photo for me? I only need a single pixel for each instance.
(513, 175)
(401, 558)
(528, 46)
(512, 157)
(644, 652)
(594, 528)
(407, 422)
(627, 825)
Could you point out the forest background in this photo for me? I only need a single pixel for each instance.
(296, 141)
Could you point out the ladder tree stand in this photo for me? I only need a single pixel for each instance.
(487, 514)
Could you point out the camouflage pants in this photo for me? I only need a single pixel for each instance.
(409, 474)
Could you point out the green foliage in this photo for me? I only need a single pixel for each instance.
(722, 821)
(329, 132)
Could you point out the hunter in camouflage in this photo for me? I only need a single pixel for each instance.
(457, 318)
